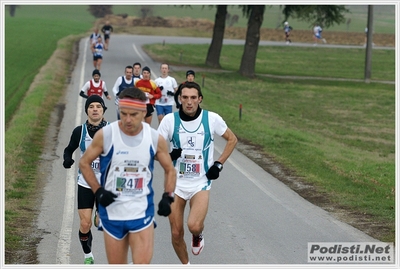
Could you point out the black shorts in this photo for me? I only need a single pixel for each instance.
(95, 58)
(86, 197)
(150, 110)
(106, 37)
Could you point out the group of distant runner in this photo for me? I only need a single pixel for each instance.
(97, 46)
(317, 33)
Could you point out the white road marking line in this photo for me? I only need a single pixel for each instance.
(64, 240)
(140, 55)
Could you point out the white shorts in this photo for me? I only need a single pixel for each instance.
(187, 193)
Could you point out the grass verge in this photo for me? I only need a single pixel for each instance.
(23, 147)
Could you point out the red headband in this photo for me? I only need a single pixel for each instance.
(133, 104)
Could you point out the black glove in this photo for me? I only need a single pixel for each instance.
(68, 163)
(213, 172)
(104, 197)
(161, 88)
(164, 206)
(170, 93)
(175, 154)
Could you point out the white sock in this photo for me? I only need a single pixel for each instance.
(89, 255)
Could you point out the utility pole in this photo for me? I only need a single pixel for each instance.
(368, 51)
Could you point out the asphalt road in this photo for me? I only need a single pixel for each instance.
(253, 218)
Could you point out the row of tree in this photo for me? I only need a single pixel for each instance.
(325, 16)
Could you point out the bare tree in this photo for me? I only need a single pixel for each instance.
(146, 11)
(235, 19)
(12, 10)
(248, 62)
(99, 11)
(326, 15)
(348, 24)
(214, 51)
(228, 17)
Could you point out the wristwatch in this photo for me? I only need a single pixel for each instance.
(219, 165)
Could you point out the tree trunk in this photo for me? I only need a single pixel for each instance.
(247, 65)
(214, 51)
(12, 10)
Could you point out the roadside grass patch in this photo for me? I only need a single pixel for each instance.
(24, 144)
(285, 61)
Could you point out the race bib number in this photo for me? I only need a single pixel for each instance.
(96, 165)
(163, 100)
(189, 167)
(130, 181)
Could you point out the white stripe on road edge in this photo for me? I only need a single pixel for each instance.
(64, 240)
(140, 55)
(137, 52)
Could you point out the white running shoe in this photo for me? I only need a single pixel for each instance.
(197, 243)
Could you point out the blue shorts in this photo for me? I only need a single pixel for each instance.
(118, 229)
(163, 110)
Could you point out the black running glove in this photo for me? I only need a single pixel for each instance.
(164, 206)
(213, 172)
(175, 154)
(170, 93)
(68, 163)
(161, 88)
(104, 197)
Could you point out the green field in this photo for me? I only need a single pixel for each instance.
(31, 37)
(338, 135)
(286, 61)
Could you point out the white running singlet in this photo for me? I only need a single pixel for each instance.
(128, 172)
(196, 138)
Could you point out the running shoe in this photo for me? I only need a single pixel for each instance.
(89, 260)
(197, 243)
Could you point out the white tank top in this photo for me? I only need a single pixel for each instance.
(128, 172)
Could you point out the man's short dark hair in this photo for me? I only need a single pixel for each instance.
(133, 93)
(188, 84)
(137, 63)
